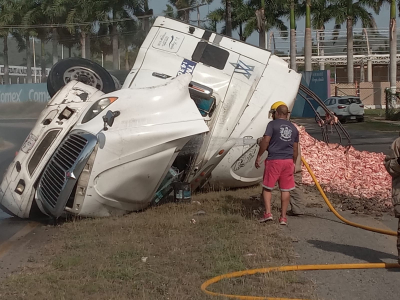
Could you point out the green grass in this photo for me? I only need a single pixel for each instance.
(373, 125)
(102, 258)
(21, 110)
(379, 112)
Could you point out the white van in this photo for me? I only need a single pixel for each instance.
(186, 112)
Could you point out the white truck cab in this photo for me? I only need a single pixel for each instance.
(186, 112)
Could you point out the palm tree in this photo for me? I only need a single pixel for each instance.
(271, 18)
(350, 12)
(33, 17)
(117, 9)
(393, 48)
(307, 38)
(8, 15)
(86, 12)
(241, 12)
(56, 12)
(132, 36)
(322, 12)
(228, 22)
(68, 38)
(183, 8)
(293, 55)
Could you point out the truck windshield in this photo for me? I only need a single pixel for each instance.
(210, 55)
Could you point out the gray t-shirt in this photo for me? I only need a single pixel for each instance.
(283, 134)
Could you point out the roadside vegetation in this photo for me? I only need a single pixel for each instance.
(374, 119)
(378, 112)
(376, 126)
(21, 110)
(165, 252)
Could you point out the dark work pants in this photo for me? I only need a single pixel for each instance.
(297, 195)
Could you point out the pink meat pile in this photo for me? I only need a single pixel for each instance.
(355, 173)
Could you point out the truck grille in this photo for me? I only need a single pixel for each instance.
(60, 169)
(42, 149)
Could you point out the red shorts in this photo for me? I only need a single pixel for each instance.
(281, 171)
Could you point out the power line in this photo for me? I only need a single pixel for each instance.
(61, 25)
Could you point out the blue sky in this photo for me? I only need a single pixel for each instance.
(158, 6)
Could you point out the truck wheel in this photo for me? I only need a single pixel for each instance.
(82, 70)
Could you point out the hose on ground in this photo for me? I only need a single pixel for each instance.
(382, 231)
(216, 279)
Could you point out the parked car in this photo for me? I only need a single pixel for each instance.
(345, 108)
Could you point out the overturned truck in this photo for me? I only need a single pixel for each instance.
(188, 111)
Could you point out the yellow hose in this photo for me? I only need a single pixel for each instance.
(383, 231)
(216, 279)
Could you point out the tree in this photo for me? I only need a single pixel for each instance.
(241, 12)
(307, 38)
(8, 15)
(352, 12)
(55, 12)
(181, 9)
(228, 20)
(117, 10)
(321, 13)
(25, 34)
(68, 38)
(132, 36)
(292, 36)
(393, 48)
(85, 13)
(272, 18)
(33, 17)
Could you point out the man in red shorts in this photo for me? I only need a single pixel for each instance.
(281, 139)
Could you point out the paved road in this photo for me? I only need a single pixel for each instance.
(16, 134)
(372, 141)
(320, 238)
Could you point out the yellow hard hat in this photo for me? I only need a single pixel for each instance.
(277, 104)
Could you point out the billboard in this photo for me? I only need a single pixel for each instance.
(319, 83)
(14, 93)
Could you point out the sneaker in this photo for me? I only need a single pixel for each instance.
(283, 221)
(266, 217)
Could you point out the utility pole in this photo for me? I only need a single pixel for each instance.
(228, 21)
(308, 39)
(292, 37)
(393, 51)
(198, 16)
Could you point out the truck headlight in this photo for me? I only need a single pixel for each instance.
(97, 108)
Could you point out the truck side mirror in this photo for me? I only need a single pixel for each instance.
(109, 118)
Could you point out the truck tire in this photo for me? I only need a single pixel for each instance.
(82, 70)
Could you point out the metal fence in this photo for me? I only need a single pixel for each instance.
(329, 47)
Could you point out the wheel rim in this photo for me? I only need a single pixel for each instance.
(83, 75)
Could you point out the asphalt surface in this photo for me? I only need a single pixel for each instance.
(372, 141)
(14, 133)
(320, 238)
